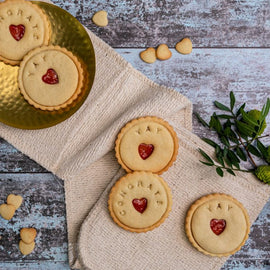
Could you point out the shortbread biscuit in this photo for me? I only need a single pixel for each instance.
(23, 27)
(184, 46)
(26, 248)
(7, 211)
(217, 225)
(140, 201)
(50, 78)
(28, 235)
(147, 144)
(149, 55)
(100, 18)
(15, 200)
(163, 52)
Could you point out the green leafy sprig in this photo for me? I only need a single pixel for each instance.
(239, 133)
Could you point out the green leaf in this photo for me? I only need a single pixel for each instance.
(219, 155)
(215, 123)
(228, 162)
(206, 156)
(233, 137)
(201, 120)
(248, 119)
(227, 131)
(233, 158)
(230, 171)
(224, 140)
(244, 129)
(241, 153)
(253, 150)
(262, 149)
(224, 116)
(210, 142)
(232, 100)
(206, 163)
(221, 106)
(241, 108)
(219, 171)
(265, 110)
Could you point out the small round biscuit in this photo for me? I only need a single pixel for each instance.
(23, 27)
(140, 201)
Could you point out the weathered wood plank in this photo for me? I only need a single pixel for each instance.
(43, 208)
(145, 23)
(41, 265)
(207, 75)
(12, 160)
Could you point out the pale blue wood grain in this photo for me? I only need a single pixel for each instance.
(147, 23)
(203, 76)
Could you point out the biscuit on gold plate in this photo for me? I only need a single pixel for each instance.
(23, 27)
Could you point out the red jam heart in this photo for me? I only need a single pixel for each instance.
(50, 77)
(17, 31)
(140, 204)
(218, 225)
(145, 150)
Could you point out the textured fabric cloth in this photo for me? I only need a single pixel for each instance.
(80, 151)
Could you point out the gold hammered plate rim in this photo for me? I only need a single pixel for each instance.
(89, 61)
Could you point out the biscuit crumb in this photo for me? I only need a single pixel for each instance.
(149, 55)
(163, 52)
(100, 18)
(184, 46)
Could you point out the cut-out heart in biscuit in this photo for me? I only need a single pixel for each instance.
(26, 248)
(28, 235)
(100, 18)
(7, 211)
(184, 46)
(17, 31)
(50, 77)
(149, 55)
(15, 200)
(163, 52)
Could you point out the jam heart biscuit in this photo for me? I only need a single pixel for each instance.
(7, 211)
(146, 144)
(28, 235)
(50, 78)
(149, 55)
(15, 200)
(100, 18)
(140, 201)
(184, 46)
(217, 225)
(23, 27)
(163, 52)
(26, 248)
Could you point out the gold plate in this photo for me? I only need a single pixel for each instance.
(67, 32)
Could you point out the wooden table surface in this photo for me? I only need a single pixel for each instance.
(231, 52)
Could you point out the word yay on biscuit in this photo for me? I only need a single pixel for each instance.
(100, 18)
